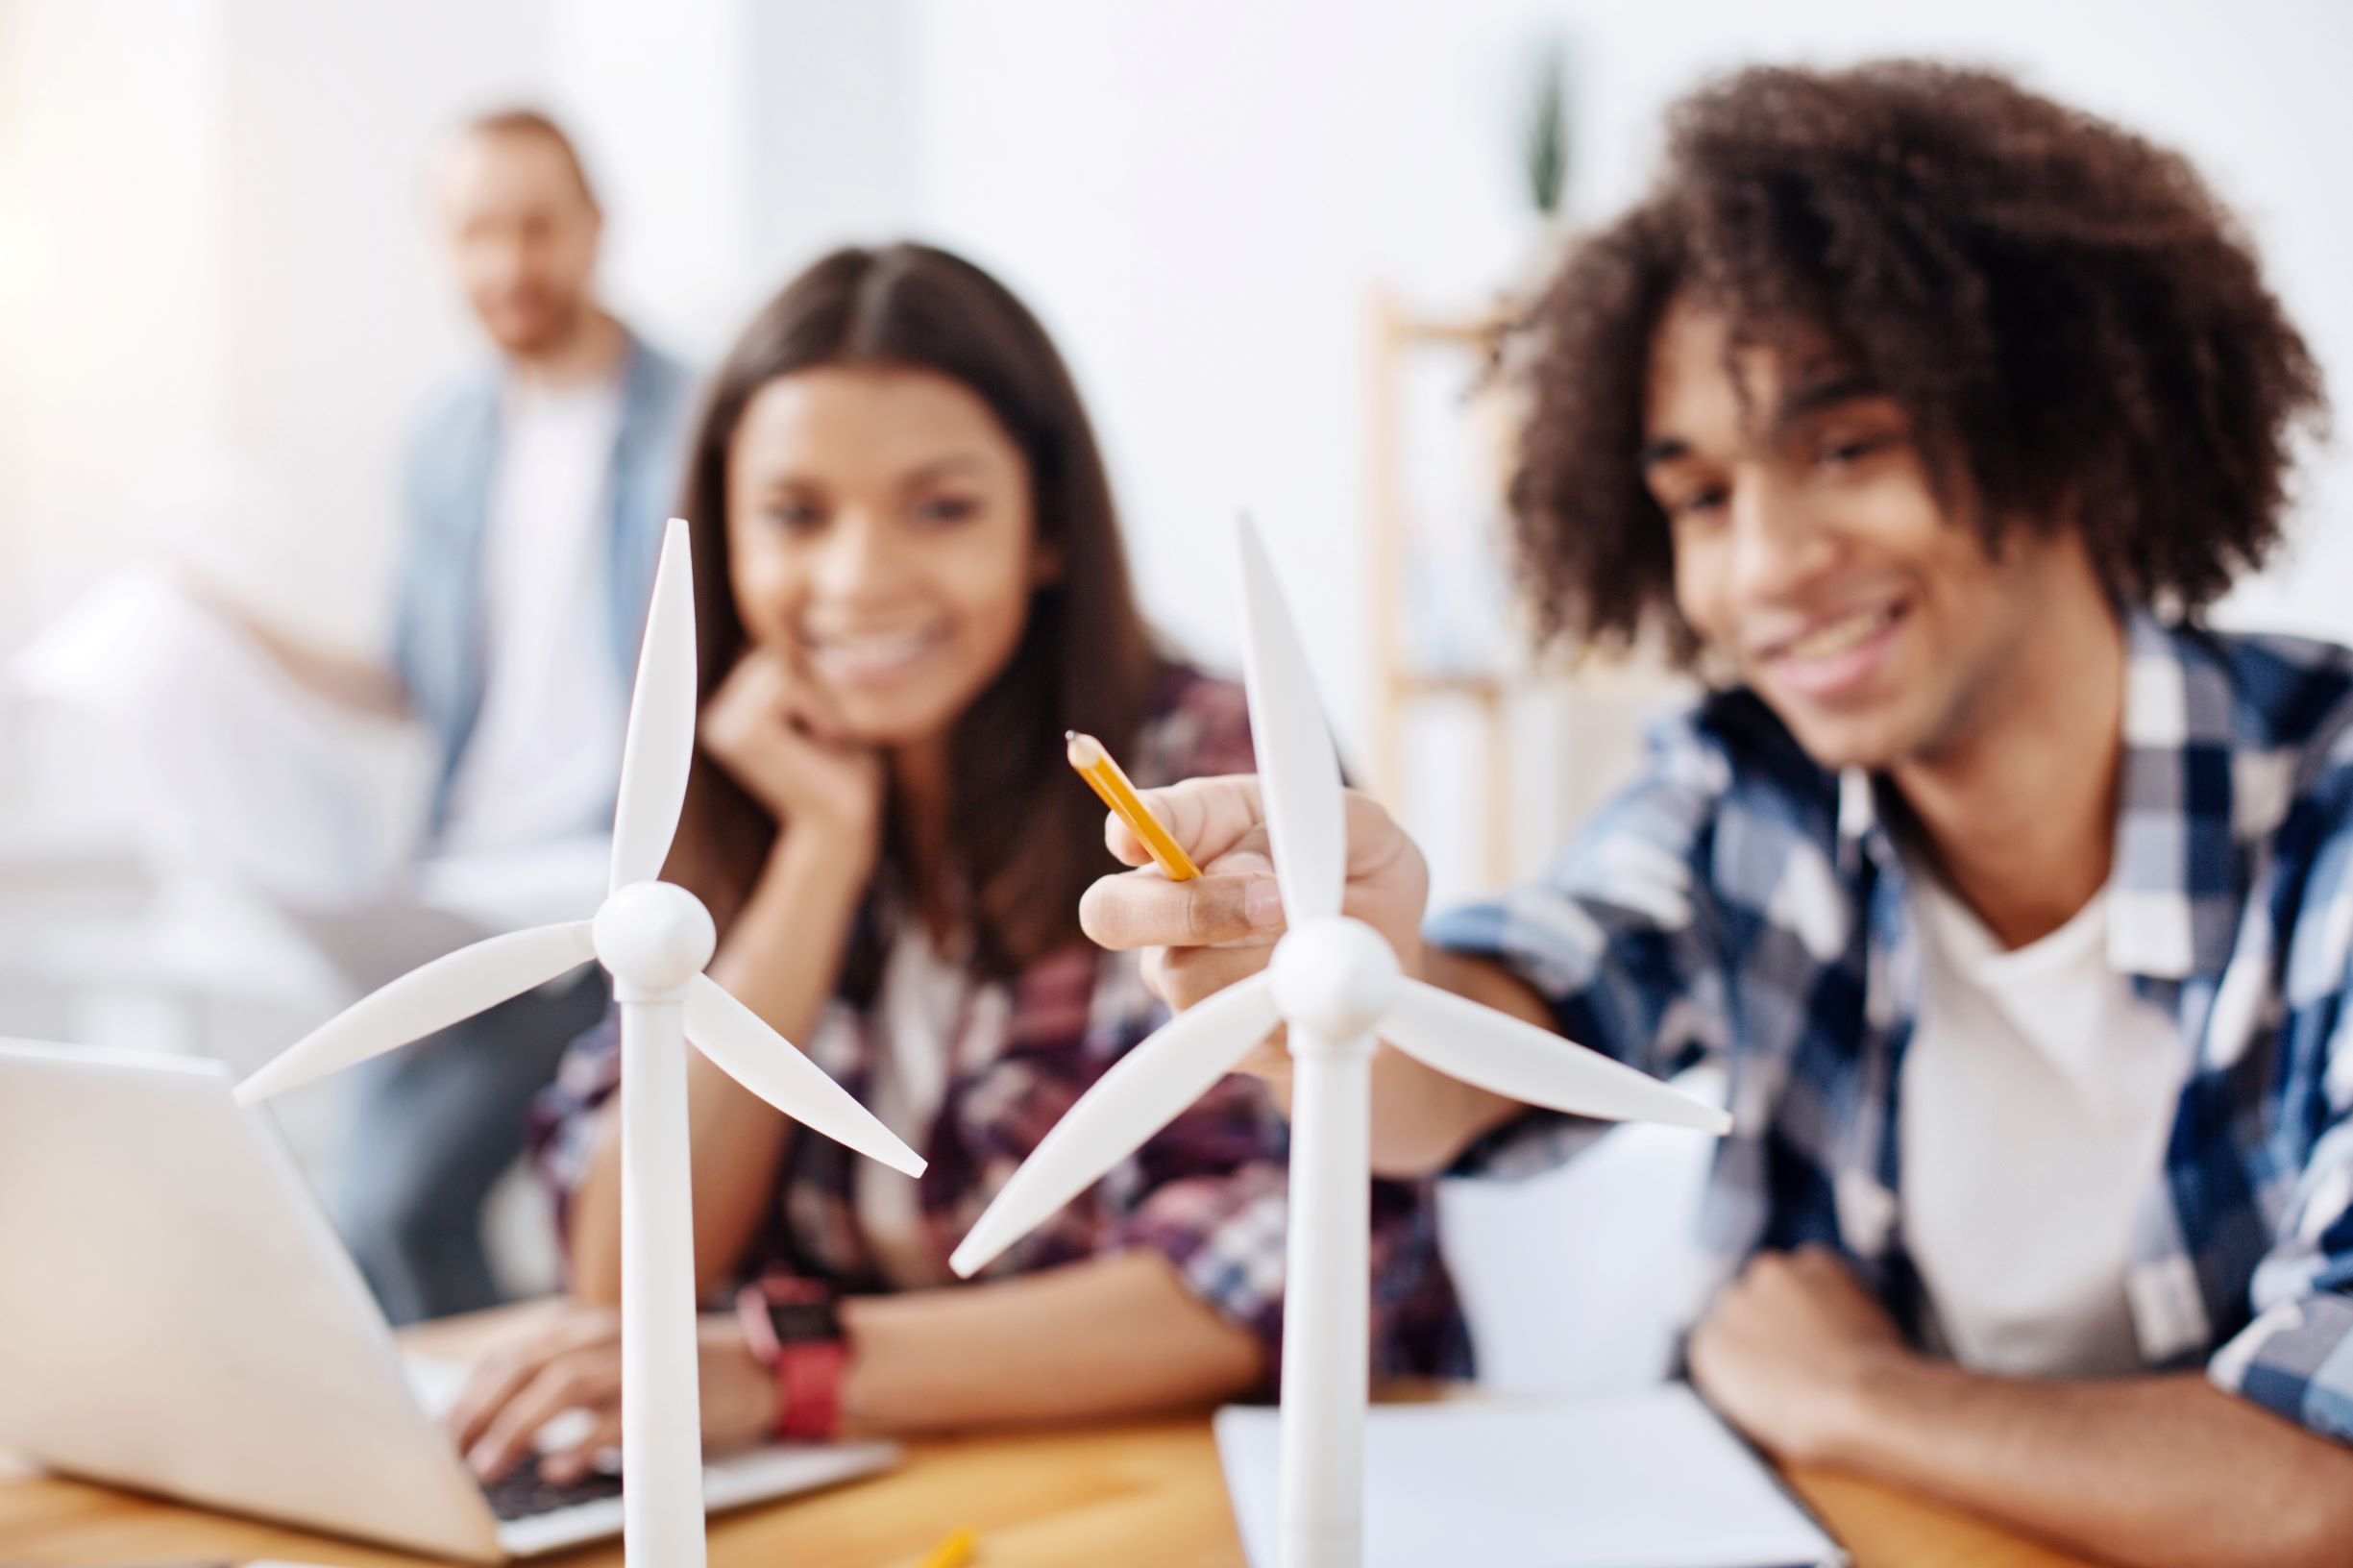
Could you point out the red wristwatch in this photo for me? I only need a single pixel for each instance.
(794, 1331)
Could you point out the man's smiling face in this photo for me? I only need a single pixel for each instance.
(1813, 552)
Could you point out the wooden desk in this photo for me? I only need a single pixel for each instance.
(1139, 1494)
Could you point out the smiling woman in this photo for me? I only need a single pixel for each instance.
(910, 587)
(894, 455)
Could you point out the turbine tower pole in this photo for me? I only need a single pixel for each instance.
(661, 1443)
(1326, 1356)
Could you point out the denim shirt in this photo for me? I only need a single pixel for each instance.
(439, 638)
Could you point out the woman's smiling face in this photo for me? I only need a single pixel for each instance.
(883, 536)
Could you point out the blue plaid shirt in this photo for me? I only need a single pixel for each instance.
(1741, 904)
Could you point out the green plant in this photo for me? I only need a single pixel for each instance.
(1545, 136)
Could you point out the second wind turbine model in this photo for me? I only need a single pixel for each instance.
(1335, 984)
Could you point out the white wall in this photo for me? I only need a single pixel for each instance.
(108, 267)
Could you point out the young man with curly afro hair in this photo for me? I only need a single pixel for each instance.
(1923, 416)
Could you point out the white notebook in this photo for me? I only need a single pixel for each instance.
(1648, 1480)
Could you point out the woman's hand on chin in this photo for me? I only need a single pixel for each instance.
(770, 729)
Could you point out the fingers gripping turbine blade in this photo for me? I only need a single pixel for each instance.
(442, 993)
(1479, 1045)
(1299, 774)
(1142, 1092)
(660, 745)
(740, 1042)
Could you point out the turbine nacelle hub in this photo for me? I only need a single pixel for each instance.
(1335, 978)
(655, 937)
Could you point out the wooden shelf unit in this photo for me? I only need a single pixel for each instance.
(1596, 698)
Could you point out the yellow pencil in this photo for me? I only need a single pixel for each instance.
(1102, 774)
(953, 1552)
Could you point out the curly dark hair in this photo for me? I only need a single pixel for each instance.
(2077, 330)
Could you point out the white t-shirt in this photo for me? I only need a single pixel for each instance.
(919, 1013)
(2037, 1095)
(544, 752)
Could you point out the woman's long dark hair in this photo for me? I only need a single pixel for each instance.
(1028, 835)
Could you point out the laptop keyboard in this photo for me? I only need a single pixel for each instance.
(525, 1494)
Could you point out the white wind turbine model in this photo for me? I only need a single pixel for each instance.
(655, 938)
(1334, 983)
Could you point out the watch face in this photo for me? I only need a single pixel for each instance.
(797, 1321)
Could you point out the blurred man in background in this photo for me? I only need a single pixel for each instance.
(535, 493)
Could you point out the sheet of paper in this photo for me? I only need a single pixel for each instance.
(240, 773)
(1646, 1480)
(315, 813)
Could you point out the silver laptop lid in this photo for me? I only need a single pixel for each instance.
(178, 1316)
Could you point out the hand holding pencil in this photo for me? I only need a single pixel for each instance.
(1110, 782)
(1202, 933)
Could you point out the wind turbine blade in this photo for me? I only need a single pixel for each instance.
(740, 1042)
(1142, 1092)
(660, 745)
(1479, 1045)
(1299, 774)
(451, 988)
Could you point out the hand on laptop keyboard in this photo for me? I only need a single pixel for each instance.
(522, 1493)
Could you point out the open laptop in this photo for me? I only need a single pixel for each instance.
(177, 1315)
